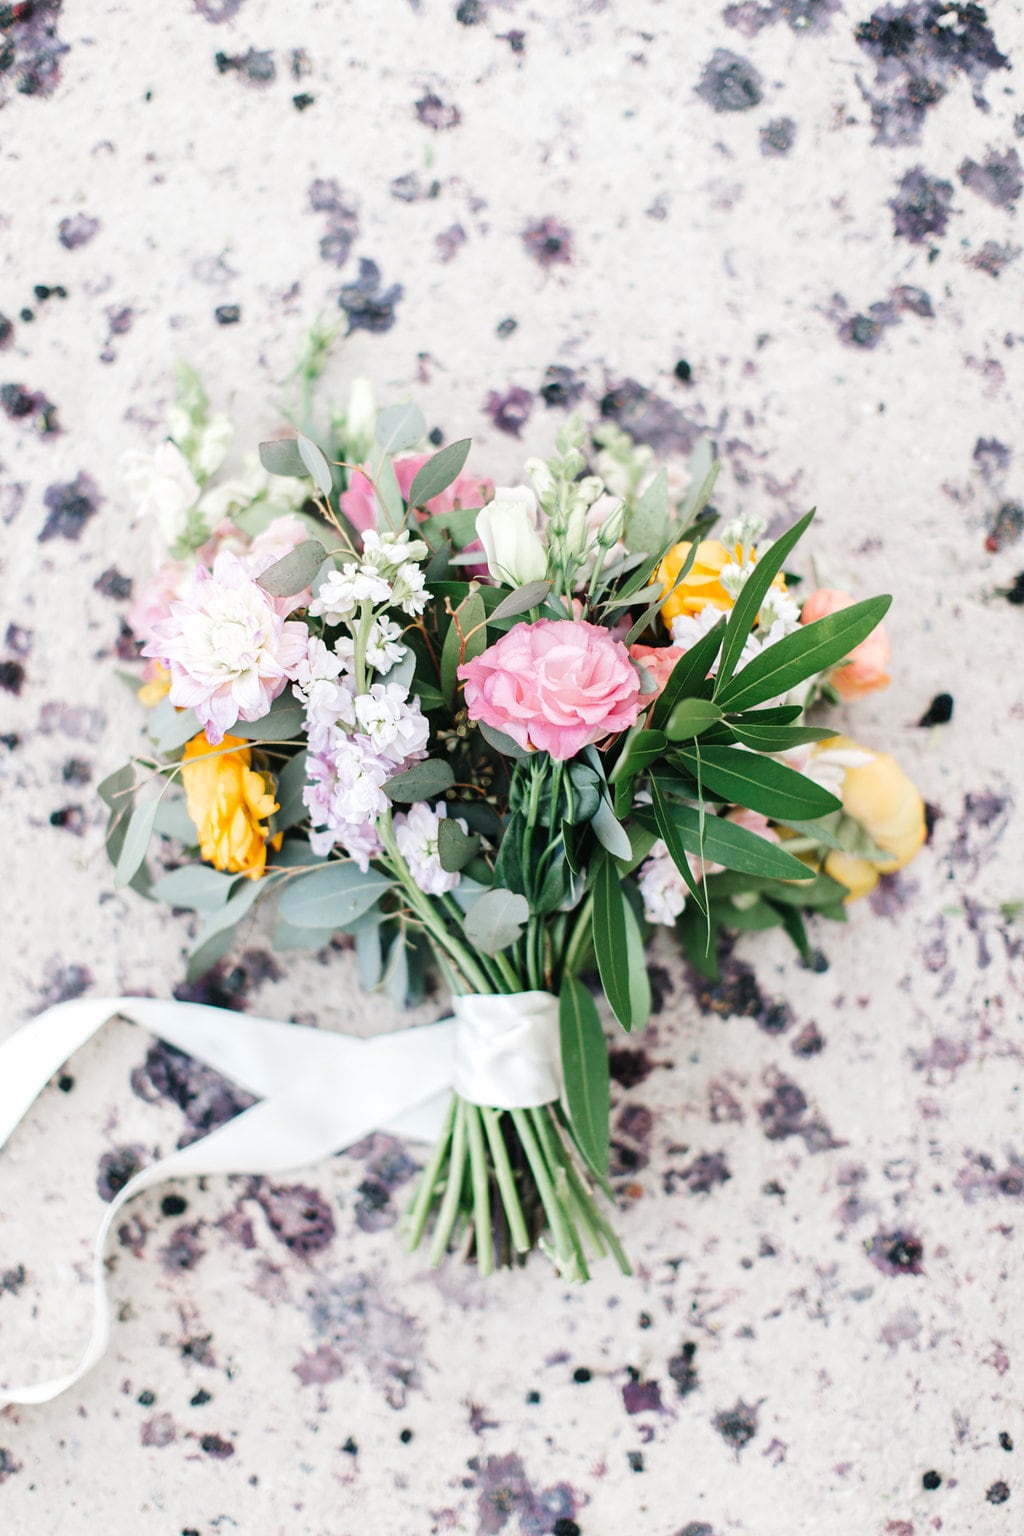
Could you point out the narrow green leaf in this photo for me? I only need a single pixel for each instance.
(291, 782)
(700, 944)
(726, 843)
(530, 595)
(455, 848)
(282, 457)
(811, 649)
(295, 571)
(609, 831)
(677, 848)
(611, 944)
(760, 783)
(585, 1073)
(396, 976)
(704, 468)
(136, 842)
(777, 738)
(690, 718)
(333, 896)
(636, 969)
(400, 427)
(689, 674)
(752, 595)
(420, 782)
(437, 474)
(647, 526)
(316, 465)
(794, 926)
(496, 919)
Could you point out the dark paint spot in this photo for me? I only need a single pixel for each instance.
(200, 1398)
(350, 1447)
(683, 1371)
(8, 1465)
(449, 242)
(511, 411)
(255, 67)
(737, 1426)
(1005, 1441)
(918, 50)
(62, 983)
(218, 11)
(730, 83)
(939, 711)
(112, 584)
(369, 306)
(12, 676)
(436, 114)
(697, 1528)
(707, 1172)
(298, 1216)
(561, 387)
(69, 508)
(738, 994)
(992, 457)
(649, 419)
(997, 179)
(1005, 527)
(218, 1448)
(778, 137)
(409, 189)
(516, 40)
(980, 827)
(184, 1250)
(994, 258)
(998, 1493)
(801, 16)
(1015, 594)
(787, 1113)
(31, 50)
(921, 207)
(302, 101)
(158, 1431)
(629, 1068)
(71, 818)
(6, 331)
(31, 407)
(388, 1168)
(564, 1527)
(808, 1042)
(326, 196)
(582, 1374)
(866, 330)
(635, 1461)
(12, 1280)
(173, 1205)
(548, 242)
(897, 1253)
(506, 1492)
(77, 230)
(228, 314)
(470, 12)
(641, 1397)
(683, 372)
(65, 1082)
(980, 1178)
(931, 1481)
(116, 1168)
(319, 1368)
(206, 1099)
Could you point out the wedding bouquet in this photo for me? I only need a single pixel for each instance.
(493, 734)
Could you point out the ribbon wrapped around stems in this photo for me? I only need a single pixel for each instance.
(319, 1092)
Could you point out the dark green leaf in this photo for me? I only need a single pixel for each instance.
(420, 782)
(495, 920)
(586, 791)
(743, 778)
(818, 892)
(777, 738)
(611, 944)
(794, 926)
(748, 604)
(400, 427)
(437, 474)
(690, 717)
(316, 465)
(282, 457)
(294, 572)
(689, 674)
(333, 896)
(585, 1073)
(726, 843)
(677, 849)
(509, 869)
(748, 916)
(700, 944)
(809, 650)
(609, 831)
(455, 848)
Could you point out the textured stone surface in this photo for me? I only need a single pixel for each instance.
(815, 210)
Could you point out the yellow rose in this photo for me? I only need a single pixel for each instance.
(228, 802)
(879, 796)
(701, 587)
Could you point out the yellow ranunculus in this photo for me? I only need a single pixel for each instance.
(229, 803)
(701, 587)
(156, 687)
(879, 796)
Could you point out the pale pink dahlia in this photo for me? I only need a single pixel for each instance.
(228, 645)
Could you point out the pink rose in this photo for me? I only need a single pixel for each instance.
(555, 686)
(360, 505)
(868, 666)
(659, 661)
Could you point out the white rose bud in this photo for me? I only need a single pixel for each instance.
(507, 528)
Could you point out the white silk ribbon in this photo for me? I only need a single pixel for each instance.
(319, 1092)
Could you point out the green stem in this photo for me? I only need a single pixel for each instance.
(554, 1156)
(481, 1192)
(580, 937)
(427, 1187)
(506, 1180)
(453, 1190)
(561, 1227)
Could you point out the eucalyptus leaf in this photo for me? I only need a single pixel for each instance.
(400, 427)
(285, 721)
(500, 742)
(170, 728)
(136, 843)
(282, 457)
(647, 526)
(530, 595)
(389, 496)
(585, 1072)
(173, 820)
(294, 572)
(811, 649)
(455, 848)
(496, 919)
(232, 911)
(396, 977)
(370, 957)
(420, 782)
(333, 896)
(437, 474)
(287, 936)
(196, 886)
(206, 953)
(291, 783)
(316, 465)
(116, 789)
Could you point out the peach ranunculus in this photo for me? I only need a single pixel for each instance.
(878, 795)
(701, 587)
(658, 661)
(554, 686)
(867, 667)
(359, 503)
(229, 803)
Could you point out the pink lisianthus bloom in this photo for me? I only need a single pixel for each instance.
(867, 668)
(658, 661)
(360, 505)
(754, 822)
(555, 686)
(228, 646)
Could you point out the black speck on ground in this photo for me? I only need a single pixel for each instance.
(255, 67)
(29, 407)
(6, 331)
(12, 676)
(469, 13)
(302, 101)
(737, 1426)
(998, 1493)
(1015, 593)
(506, 327)
(548, 241)
(227, 314)
(939, 711)
(730, 83)
(931, 1480)
(897, 1253)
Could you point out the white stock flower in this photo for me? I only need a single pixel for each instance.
(507, 529)
(213, 445)
(410, 593)
(163, 486)
(383, 645)
(394, 724)
(662, 887)
(342, 592)
(386, 552)
(416, 836)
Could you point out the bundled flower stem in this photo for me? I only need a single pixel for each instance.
(495, 734)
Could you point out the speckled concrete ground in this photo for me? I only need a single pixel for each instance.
(791, 224)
